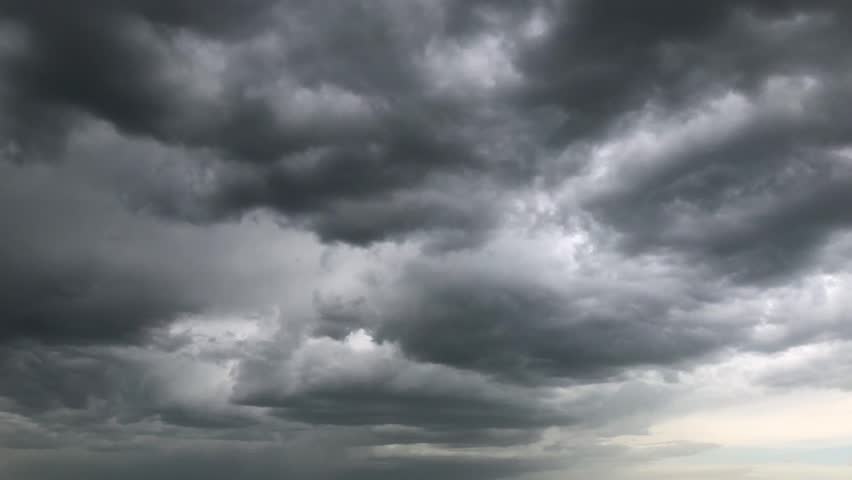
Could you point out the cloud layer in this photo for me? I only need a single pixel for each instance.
(421, 239)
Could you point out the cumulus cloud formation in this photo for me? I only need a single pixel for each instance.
(457, 239)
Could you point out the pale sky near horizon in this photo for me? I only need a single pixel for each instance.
(425, 239)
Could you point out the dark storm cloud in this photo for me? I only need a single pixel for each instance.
(67, 389)
(270, 462)
(78, 266)
(328, 382)
(605, 60)
(110, 59)
(355, 382)
(561, 206)
(97, 412)
(360, 195)
(62, 276)
(325, 125)
(333, 125)
(757, 203)
(378, 405)
(462, 313)
(40, 380)
(605, 64)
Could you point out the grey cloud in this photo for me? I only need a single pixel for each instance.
(756, 204)
(355, 383)
(85, 419)
(603, 61)
(329, 382)
(60, 387)
(457, 311)
(41, 380)
(671, 61)
(269, 462)
(453, 438)
(341, 125)
(828, 366)
(540, 214)
(324, 132)
(80, 266)
(73, 288)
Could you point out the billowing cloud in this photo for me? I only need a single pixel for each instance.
(423, 239)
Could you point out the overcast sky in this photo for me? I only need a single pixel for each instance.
(425, 239)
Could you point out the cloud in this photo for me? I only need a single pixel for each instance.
(330, 143)
(417, 239)
(517, 311)
(82, 262)
(736, 185)
(358, 382)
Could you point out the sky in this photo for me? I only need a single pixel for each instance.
(425, 239)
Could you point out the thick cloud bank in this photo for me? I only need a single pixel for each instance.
(423, 239)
